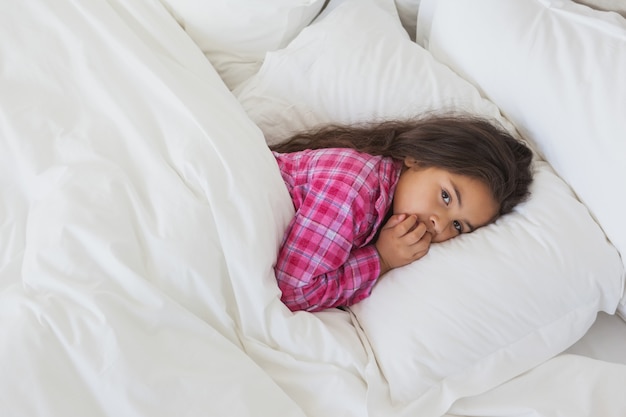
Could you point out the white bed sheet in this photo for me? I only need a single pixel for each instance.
(605, 340)
(567, 385)
(584, 381)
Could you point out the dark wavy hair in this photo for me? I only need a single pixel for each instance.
(460, 143)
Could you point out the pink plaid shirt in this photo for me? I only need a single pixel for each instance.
(341, 196)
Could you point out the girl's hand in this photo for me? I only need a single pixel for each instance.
(401, 241)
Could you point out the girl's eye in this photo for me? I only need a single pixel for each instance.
(445, 196)
(457, 226)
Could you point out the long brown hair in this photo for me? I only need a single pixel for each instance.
(460, 143)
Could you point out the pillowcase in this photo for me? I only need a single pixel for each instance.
(407, 10)
(235, 34)
(487, 306)
(329, 74)
(477, 310)
(570, 102)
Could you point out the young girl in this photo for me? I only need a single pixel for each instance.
(372, 198)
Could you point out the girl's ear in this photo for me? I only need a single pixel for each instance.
(410, 162)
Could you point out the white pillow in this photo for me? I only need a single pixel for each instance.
(476, 311)
(331, 74)
(488, 306)
(407, 10)
(235, 34)
(567, 96)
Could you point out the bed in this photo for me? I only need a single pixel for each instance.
(141, 210)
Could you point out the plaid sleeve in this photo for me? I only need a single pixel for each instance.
(317, 265)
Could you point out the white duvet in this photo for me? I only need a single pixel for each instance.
(140, 214)
(139, 218)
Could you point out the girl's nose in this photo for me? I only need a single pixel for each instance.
(439, 225)
(435, 224)
(442, 228)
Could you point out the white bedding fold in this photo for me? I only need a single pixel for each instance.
(141, 211)
(568, 385)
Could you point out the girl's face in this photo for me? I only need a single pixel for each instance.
(449, 204)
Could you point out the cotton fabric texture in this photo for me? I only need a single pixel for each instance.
(341, 198)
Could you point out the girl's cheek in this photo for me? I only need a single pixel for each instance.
(442, 237)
